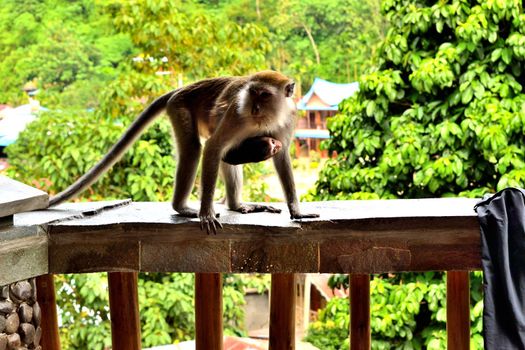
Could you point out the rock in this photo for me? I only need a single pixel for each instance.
(12, 323)
(25, 312)
(2, 323)
(37, 314)
(3, 341)
(38, 336)
(32, 282)
(20, 291)
(27, 333)
(6, 307)
(4, 292)
(13, 341)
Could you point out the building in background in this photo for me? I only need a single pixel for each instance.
(319, 103)
(14, 120)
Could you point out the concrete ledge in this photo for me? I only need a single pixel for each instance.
(349, 237)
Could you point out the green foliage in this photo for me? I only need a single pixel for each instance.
(443, 112)
(78, 47)
(255, 188)
(47, 152)
(84, 311)
(331, 39)
(330, 331)
(57, 43)
(191, 39)
(408, 311)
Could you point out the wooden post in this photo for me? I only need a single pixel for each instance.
(282, 312)
(45, 292)
(458, 310)
(124, 310)
(306, 303)
(208, 311)
(360, 312)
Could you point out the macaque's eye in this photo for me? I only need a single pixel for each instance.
(265, 94)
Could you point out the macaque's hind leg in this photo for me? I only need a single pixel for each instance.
(188, 150)
(283, 165)
(232, 176)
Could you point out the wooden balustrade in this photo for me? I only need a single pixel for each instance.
(354, 237)
(208, 311)
(124, 310)
(282, 312)
(360, 312)
(47, 300)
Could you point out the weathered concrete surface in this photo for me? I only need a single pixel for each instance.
(349, 236)
(24, 246)
(23, 252)
(16, 197)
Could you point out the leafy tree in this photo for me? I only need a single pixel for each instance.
(331, 39)
(57, 43)
(336, 37)
(442, 114)
(191, 40)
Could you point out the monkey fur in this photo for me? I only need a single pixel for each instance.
(230, 113)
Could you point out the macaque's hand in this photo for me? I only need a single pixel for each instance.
(209, 221)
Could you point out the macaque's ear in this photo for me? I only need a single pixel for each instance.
(288, 90)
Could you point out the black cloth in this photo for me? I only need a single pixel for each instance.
(502, 222)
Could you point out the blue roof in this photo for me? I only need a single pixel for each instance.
(14, 120)
(312, 134)
(330, 93)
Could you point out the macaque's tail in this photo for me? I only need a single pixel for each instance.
(115, 153)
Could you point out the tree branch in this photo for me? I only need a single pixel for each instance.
(312, 41)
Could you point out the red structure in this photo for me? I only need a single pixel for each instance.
(319, 103)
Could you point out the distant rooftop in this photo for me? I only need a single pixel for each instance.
(326, 95)
(14, 120)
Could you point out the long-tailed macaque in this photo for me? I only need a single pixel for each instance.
(230, 113)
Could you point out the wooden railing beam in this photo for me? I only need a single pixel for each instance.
(360, 312)
(45, 291)
(124, 310)
(458, 310)
(282, 312)
(208, 311)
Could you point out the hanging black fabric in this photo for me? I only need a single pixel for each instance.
(502, 221)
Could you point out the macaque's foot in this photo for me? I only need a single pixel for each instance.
(298, 216)
(210, 222)
(190, 213)
(255, 208)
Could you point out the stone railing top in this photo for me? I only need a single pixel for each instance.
(122, 212)
(349, 236)
(16, 197)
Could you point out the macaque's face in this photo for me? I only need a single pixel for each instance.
(263, 99)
